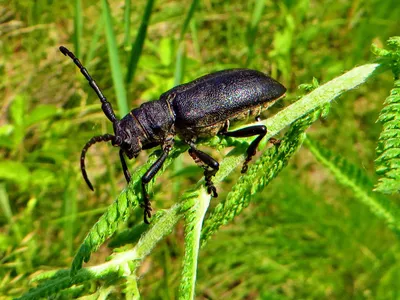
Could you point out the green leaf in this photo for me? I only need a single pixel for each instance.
(193, 223)
(388, 150)
(40, 113)
(17, 110)
(166, 52)
(43, 178)
(6, 130)
(5, 136)
(354, 178)
(15, 171)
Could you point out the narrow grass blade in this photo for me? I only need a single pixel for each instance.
(70, 212)
(94, 42)
(252, 28)
(179, 64)
(127, 23)
(78, 27)
(6, 209)
(139, 41)
(114, 60)
(180, 54)
(188, 18)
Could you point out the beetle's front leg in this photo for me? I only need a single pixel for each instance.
(149, 175)
(124, 166)
(210, 166)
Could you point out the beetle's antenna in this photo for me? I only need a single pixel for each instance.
(92, 141)
(105, 105)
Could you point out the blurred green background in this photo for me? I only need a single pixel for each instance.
(304, 237)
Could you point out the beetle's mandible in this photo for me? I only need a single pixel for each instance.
(201, 108)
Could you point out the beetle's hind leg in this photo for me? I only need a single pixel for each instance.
(210, 166)
(259, 130)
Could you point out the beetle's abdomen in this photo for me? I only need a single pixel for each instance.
(224, 95)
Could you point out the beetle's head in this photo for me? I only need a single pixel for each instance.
(126, 137)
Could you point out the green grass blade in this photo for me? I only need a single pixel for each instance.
(188, 18)
(94, 41)
(78, 27)
(70, 212)
(180, 54)
(139, 42)
(195, 38)
(127, 22)
(114, 60)
(6, 209)
(252, 28)
(179, 64)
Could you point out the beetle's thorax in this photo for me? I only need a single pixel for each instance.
(155, 118)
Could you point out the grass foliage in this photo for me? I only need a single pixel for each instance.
(303, 223)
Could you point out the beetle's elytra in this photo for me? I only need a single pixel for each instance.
(201, 108)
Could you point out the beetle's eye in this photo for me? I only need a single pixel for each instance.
(171, 97)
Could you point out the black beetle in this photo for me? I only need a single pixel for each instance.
(201, 108)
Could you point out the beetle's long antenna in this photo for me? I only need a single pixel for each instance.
(92, 141)
(105, 105)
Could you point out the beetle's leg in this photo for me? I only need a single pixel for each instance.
(149, 176)
(274, 141)
(259, 130)
(145, 180)
(210, 166)
(124, 166)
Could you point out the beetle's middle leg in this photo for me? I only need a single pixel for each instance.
(209, 164)
(259, 130)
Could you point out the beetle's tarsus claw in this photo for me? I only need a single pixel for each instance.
(146, 210)
(274, 141)
(146, 217)
(212, 190)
